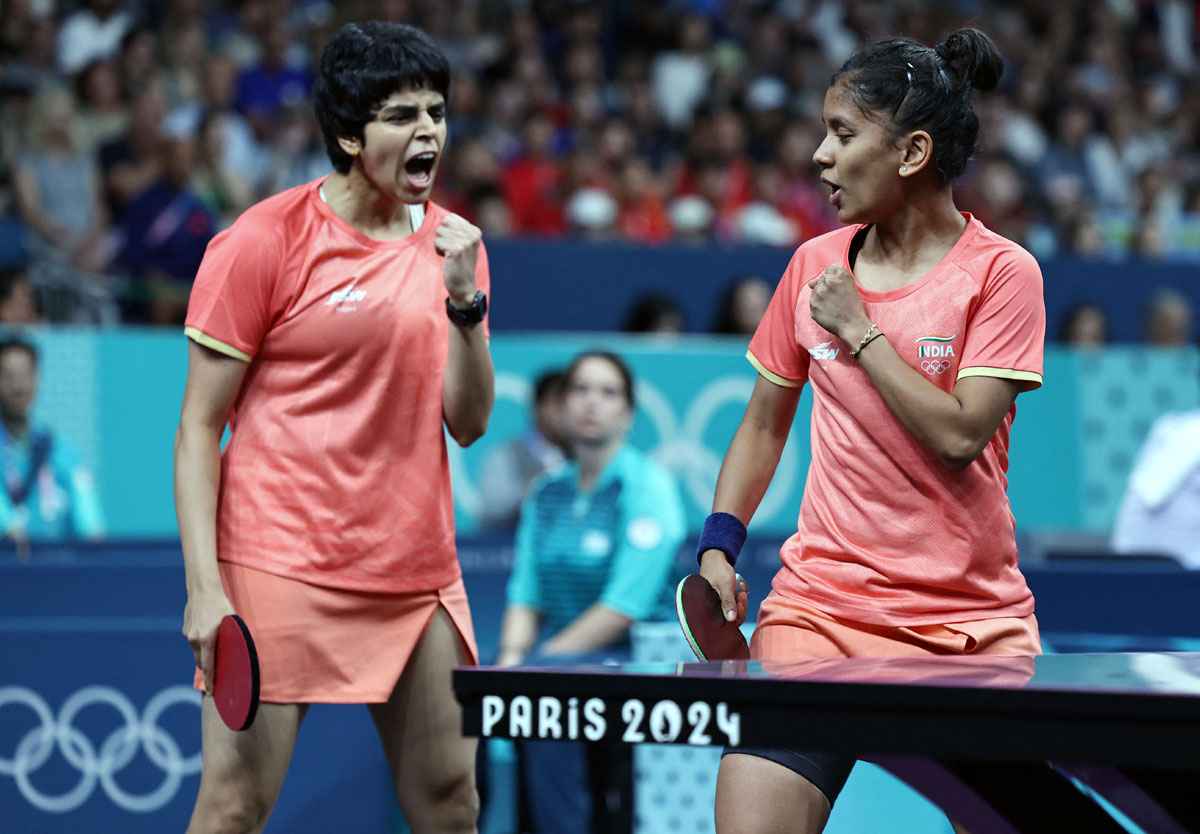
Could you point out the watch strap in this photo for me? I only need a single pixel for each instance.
(471, 314)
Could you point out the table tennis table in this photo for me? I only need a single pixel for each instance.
(976, 735)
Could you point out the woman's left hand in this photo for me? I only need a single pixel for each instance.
(458, 241)
(836, 306)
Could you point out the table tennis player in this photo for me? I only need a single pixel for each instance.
(337, 327)
(595, 553)
(916, 327)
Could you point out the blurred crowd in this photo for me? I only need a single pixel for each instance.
(131, 131)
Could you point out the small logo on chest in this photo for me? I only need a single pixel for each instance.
(343, 298)
(823, 352)
(934, 346)
(934, 353)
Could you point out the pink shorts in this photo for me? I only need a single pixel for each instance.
(788, 629)
(330, 645)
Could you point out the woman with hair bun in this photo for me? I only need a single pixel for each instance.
(916, 327)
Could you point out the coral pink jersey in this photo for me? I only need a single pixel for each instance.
(887, 534)
(335, 472)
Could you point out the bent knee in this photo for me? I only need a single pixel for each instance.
(447, 803)
(228, 812)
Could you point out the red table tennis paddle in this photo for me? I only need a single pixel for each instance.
(711, 636)
(235, 674)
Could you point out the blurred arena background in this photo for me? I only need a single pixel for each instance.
(622, 157)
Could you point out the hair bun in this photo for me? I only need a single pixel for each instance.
(970, 54)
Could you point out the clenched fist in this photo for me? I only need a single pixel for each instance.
(835, 304)
(458, 242)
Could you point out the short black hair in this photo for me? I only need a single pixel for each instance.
(10, 276)
(360, 67)
(549, 384)
(649, 310)
(1072, 315)
(610, 357)
(10, 343)
(908, 86)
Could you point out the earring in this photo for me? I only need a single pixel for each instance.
(903, 169)
(354, 152)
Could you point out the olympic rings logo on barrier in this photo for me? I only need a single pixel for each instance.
(114, 753)
(935, 366)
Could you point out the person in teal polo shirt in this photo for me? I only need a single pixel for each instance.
(48, 493)
(595, 553)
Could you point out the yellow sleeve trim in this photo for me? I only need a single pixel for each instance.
(1030, 379)
(202, 338)
(771, 377)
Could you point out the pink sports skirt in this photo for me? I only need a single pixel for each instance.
(788, 629)
(335, 646)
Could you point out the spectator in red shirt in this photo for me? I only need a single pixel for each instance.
(642, 214)
(532, 184)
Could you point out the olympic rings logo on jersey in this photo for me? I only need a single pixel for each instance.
(98, 765)
(935, 366)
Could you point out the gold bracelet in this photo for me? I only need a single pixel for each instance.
(871, 333)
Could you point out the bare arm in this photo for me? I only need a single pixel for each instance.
(957, 425)
(468, 391)
(597, 627)
(517, 634)
(213, 382)
(745, 475)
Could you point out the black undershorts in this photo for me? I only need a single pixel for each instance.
(827, 771)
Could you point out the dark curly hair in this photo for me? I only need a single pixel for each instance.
(361, 66)
(908, 86)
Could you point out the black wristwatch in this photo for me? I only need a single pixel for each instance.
(468, 315)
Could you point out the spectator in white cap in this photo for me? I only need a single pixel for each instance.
(94, 31)
(592, 213)
(692, 219)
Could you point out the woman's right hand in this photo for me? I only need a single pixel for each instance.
(201, 619)
(730, 586)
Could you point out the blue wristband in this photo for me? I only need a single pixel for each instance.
(723, 532)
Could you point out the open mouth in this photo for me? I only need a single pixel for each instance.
(837, 191)
(419, 169)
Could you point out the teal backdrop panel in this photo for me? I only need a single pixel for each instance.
(1044, 449)
(117, 394)
(140, 375)
(690, 394)
(69, 395)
